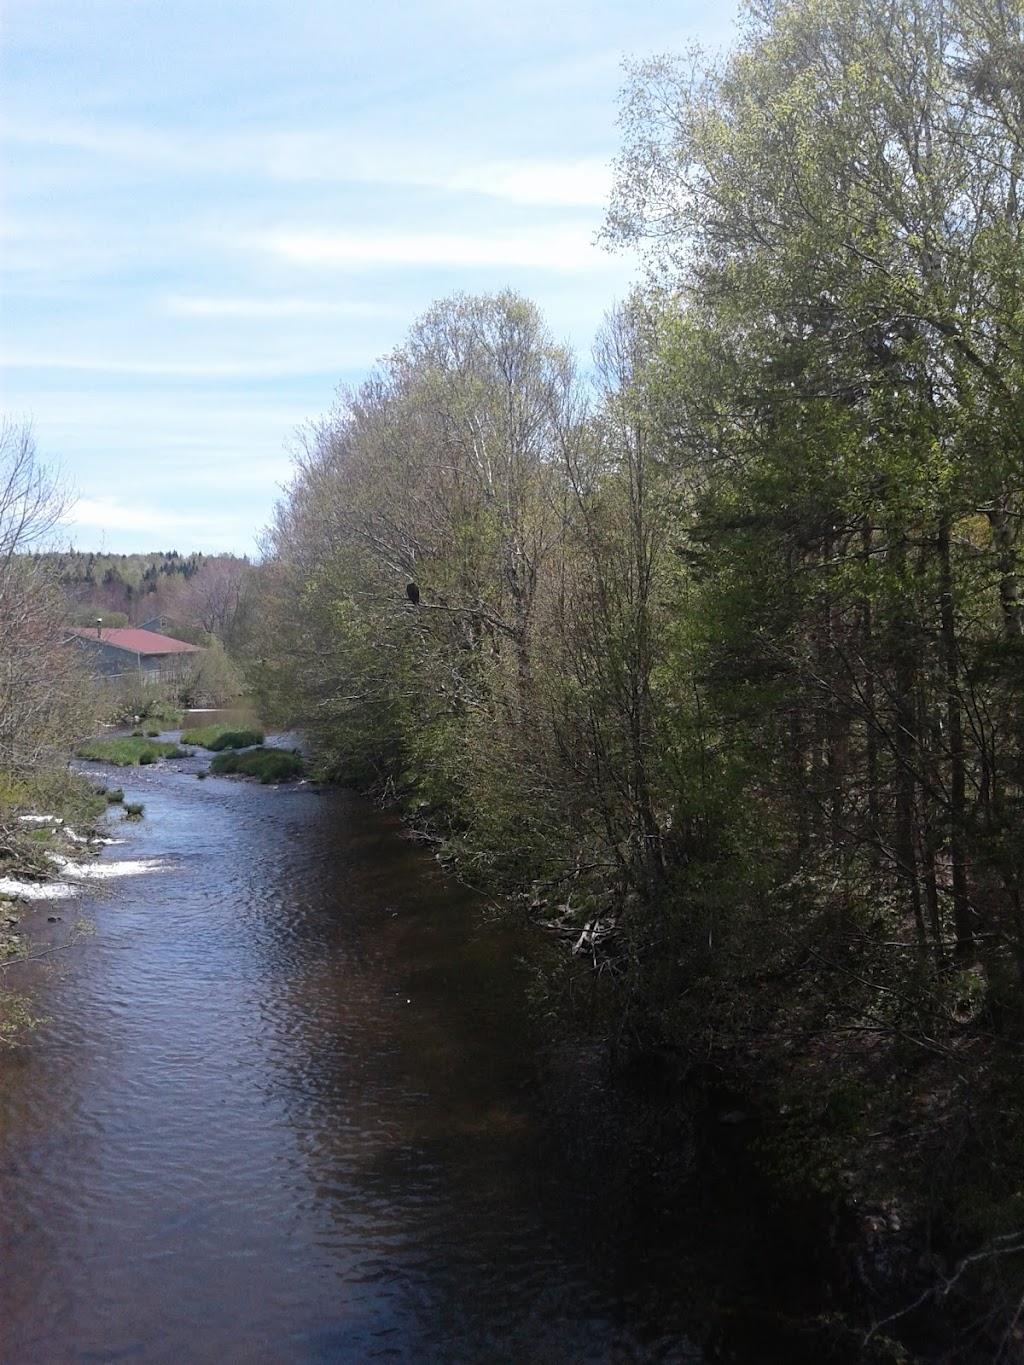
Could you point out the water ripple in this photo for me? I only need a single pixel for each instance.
(281, 1112)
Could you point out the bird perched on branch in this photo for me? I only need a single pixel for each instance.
(412, 592)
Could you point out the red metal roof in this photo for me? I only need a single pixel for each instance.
(138, 641)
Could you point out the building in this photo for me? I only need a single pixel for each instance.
(129, 652)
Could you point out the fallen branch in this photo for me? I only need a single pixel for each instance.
(937, 1292)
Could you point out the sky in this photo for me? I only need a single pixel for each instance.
(217, 212)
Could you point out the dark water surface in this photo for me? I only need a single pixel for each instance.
(286, 1109)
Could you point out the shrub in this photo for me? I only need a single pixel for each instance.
(210, 678)
(60, 792)
(131, 701)
(133, 810)
(169, 712)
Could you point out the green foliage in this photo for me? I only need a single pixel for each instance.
(162, 709)
(222, 736)
(269, 765)
(18, 1017)
(69, 799)
(211, 678)
(133, 810)
(127, 701)
(60, 792)
(723, 656)
(17, 791)
(128, 752)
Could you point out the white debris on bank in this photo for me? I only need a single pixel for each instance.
(37, 891)
(77, 874)
(56, 822)
(74, 874)
(127, 867)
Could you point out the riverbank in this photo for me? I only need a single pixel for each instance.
(44, 858)
(52, 830)
(859, 1136)
(866, 1201)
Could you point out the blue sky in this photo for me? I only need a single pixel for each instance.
(217, 211)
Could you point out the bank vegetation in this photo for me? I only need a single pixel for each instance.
(713, 646)
(46, 702)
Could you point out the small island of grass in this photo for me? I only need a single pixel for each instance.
(220, 737)
(128, 751)
(269, 765)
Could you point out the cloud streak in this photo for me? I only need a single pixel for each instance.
(560, 248)
(171, 369)
(259, 309)
(106, 513)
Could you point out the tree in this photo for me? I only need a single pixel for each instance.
(41, 687)
(212, 597)
(443, 469)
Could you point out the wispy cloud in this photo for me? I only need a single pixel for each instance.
(143, 526)
(172, 369)
(135, 144)
(586, 183)
(563, 248)
(116, 516)
(332, 156)
(212, 306)
(335, 157)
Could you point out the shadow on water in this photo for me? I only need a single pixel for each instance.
(289, 1107)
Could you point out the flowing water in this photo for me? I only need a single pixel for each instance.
(286, 1108)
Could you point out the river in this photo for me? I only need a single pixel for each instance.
(288, 1107)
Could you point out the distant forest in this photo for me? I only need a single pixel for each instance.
(194, 593)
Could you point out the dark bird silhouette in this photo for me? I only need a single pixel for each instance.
(412, 592)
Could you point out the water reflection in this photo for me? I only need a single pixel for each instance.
(287, 1110)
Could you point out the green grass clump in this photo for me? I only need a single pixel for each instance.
(220, 737)
(269, 765)
(113, 795)
(53, 791)
(128, 752)
(133, 810)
